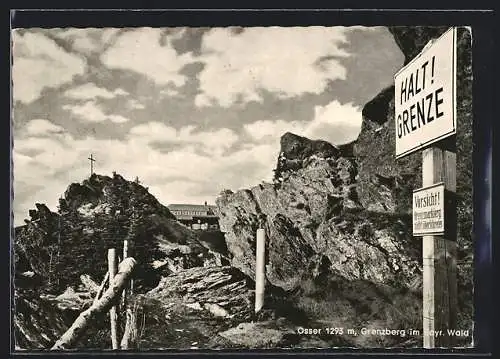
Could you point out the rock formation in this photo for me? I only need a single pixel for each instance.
(101, 212)
(314, 213)
(350, 206)
(53, 250)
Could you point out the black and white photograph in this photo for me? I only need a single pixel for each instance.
(242, 187)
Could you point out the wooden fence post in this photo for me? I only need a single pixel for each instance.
(130, 331)
(260, 268)
(439, 255)
(125, 255)
(113, 317)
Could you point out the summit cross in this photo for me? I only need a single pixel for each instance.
(92, 160)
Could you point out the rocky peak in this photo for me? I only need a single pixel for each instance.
(100, 192)
(94, 215)
(298, 152)
(314, 219)
(295, 147)
(336, 212)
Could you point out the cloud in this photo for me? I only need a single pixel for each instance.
(117, 118)
(91, 112)
(91, 91)
(286, 61)
(44, 175)
(195, 169)
(41, 127)
(210, 174)
(42, 167)
(179, 159)
(263, 130)
(135, 105)
(58, 161)
(120, 92)
(38, 63)
(169, 92)
(140, 50)
(154, 131)
(366, 28)
(335, 122)
(212, 142)
(87, 41)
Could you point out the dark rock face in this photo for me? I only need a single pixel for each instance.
(313, 214)
(297, 150)
(386, 184)
(37, 324)
(296, 147)
(374, 147)
(411, 40)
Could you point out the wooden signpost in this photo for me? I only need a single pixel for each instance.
(113, 315)
(260, 269)
(425, 115)
(125, 255)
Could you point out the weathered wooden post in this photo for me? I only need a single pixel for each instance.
(439, 254)
(425, 120)
(125, 255)
(260, 268)
(125, 248)
(113, 316)
(130, 331)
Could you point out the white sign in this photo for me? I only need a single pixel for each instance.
(425, 96)
(428, 210)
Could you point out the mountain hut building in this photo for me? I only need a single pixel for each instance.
(195, 216)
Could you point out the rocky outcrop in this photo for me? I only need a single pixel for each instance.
(412, 39)
(38, 323)
(313, 214)
(188, 309)
(101, 212)
(259, 335)
(385, 183)
(222, 291)
(350, 206)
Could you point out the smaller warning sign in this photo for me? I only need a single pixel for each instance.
(428, 210)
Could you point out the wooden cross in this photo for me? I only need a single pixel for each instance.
(92, 160)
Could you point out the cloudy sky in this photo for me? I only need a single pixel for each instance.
(190, 111)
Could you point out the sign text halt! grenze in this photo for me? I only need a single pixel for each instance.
(425, 96)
